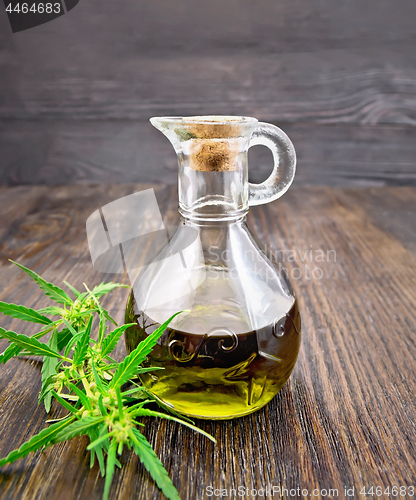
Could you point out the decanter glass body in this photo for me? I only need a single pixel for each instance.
(236, 341)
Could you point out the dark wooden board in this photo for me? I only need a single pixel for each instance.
(75, 151)
(323, 61)
(76, 93)
(345, 418)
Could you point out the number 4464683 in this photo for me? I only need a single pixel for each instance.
(38, 8)
(394, 491)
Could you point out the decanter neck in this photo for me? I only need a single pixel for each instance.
(207, 193)
(212, 160)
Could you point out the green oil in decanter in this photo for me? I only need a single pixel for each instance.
(219, 374)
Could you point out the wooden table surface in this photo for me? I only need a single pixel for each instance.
(346, 417)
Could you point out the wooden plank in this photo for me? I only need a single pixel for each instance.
(347, 415)
(320, 61)
(57, 152)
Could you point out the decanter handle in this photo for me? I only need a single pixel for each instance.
(284, 168)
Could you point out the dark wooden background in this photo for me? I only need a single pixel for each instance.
(339, 77)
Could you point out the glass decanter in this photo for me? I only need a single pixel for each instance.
(235, 343)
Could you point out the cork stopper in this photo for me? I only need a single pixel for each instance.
(214, 155)
(214, 143)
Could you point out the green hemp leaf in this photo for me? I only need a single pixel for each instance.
(79, 374)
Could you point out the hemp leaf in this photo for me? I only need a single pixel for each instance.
(31, 344)
(36, 442)
(54, 292)
(79, 374)
(23, 313)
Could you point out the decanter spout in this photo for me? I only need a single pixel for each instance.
(211, 137)
(166, 127)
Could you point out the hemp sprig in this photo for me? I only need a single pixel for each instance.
(79, 373)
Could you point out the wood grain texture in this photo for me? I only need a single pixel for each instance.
(76, 93)
(66, 152)
(345, 418)
(327, 62)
